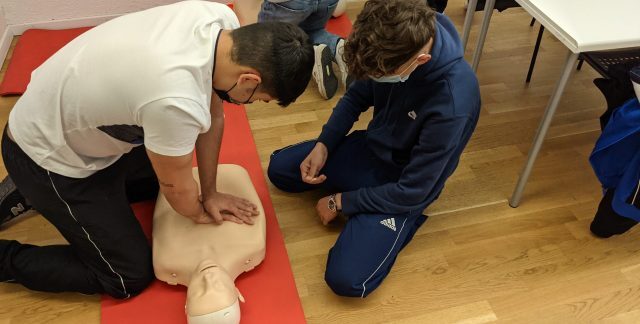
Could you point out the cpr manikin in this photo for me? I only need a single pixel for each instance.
(207, 258)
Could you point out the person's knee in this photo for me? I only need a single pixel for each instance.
(274, 172)
(140, 282)
(343, 282)
(121, 285)
(280, 172)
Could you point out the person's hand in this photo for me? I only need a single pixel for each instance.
(313, 163)
(202, 218)
(224, 207)
(326, 215)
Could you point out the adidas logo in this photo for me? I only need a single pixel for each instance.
(390, 223)
(17, 210)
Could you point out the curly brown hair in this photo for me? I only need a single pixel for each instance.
(386, 34)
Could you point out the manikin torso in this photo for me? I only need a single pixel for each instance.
(207, 257)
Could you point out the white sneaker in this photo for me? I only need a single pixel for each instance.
(344, 71)
(323, 71)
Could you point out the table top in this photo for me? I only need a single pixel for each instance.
(589, 25)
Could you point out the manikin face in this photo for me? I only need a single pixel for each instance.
(212, 296)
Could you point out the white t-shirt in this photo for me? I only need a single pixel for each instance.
(142, 78)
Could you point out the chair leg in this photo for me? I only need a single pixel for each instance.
(533, 21)
(580, 64)
(535, 53)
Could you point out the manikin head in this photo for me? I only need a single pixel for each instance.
(212, 297)
(635, 79)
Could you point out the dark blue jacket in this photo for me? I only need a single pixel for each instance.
(420, 126)
(616, 158)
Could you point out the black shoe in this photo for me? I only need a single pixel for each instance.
(607, 222)
(323, 71)
(12, 203)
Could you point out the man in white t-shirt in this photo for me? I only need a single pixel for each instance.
(119, 112)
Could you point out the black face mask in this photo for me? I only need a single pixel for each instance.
(224, 95)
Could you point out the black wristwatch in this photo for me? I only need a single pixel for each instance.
(332, 204)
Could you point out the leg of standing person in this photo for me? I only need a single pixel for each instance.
(307, 15)
(107, 251)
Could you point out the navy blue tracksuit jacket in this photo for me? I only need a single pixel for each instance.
(421, 126)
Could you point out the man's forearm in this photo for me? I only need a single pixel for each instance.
(208, 151)
(185, 201)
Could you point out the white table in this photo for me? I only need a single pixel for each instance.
(582, 26)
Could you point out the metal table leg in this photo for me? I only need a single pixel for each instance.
(543, 128)
(488, 11)
(468, 19)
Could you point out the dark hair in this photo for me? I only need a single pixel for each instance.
(386, 34)
(281, 52)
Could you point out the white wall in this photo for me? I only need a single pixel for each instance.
(16, 16)
(3, 21)
(25, 14)
(5, 36)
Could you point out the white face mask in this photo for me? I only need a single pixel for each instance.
(392, 78)
(397, 77)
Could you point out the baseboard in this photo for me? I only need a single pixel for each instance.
(5, 44)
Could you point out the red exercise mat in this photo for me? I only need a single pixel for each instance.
(36, 45)
(269, 289)
(33, 48)
(340, 26)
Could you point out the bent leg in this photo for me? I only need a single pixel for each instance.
(284, 167)
(107, 251)
(351, 166)
(366, 250)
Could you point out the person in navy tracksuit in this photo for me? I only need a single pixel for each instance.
(426, 103)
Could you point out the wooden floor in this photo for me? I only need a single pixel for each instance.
(476, 260)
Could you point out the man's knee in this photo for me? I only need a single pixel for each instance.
(122, 285)
(141, 281)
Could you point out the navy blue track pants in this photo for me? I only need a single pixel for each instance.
(369, 243)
